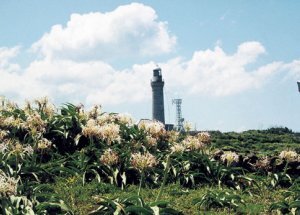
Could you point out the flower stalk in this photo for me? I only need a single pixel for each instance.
(141, 182)
(164, 178)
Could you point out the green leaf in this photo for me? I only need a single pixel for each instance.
(295, 204)
(161, 204)
(138, 210)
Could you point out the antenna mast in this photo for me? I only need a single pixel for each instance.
(179, 119)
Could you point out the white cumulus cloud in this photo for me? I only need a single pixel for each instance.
(73, 65)
(6, 54)
(214, 72)
(90, 82)
(129, 31)
(208, 72)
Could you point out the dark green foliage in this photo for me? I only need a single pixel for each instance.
(221, 199)
(64, 129)
(290, 203)
(134, 205)
(265, 142)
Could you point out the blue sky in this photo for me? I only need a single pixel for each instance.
(234, 63)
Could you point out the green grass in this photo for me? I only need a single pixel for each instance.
(82, 199)
(263, 142)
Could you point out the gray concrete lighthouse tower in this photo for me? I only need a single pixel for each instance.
(157, 84)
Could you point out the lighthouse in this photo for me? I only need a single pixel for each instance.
(157, 84)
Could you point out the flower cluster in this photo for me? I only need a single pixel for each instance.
(35, 124)
(192, 143)
(44, 143)
(118, 118)
(263, 163)
(18, 148)
(124, 119)
(173, 136)
(289, 155)
(3, 147)
(11, 121)
(177, 148)
(229, 157)
(49, 110)
(3, 134)
(15, 147)
(109, 157)
(153, 128)
(143, 161)
(105, 118)
(27, 107)
(10, 106)
(28, 149)
(204, 137)
(44, 106)
(187, 126)
(151, 141)
(108, 132)
(91, 129)
(42, 102)
(95, 112)
(8, 185)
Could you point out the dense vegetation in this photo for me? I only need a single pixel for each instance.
(264, 142)
(72, 161)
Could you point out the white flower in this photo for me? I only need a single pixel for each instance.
(28, 149)
(18, 148)
(125, 119)
(8, 185)
(110, 133)
(173, 136)
(288, 155)
(177, 148)
(41, 102)
(204, 137)
(10, 106)
(35, 124)
(229, 157)
(143, 161)
(95, 112)
(91, 123)
(151, 141)
(27, 107)
(105, 118)
(187, 126)
(109, 157)
(44, 143)
(3, 147)
(263, 162)
(45, 106)
(49, 110)
(13, 122)
(91, 129)
(192, 143)
(3, 134)
(154, 128)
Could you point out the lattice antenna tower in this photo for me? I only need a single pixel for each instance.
(179, 119)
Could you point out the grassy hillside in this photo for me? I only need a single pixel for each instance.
(73, 161)
(265, 142)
